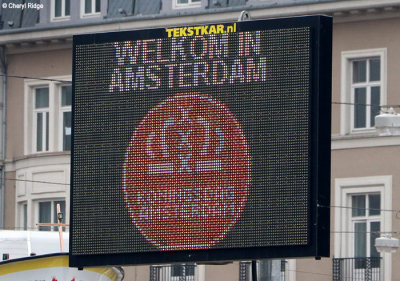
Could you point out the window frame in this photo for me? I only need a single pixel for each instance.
(367, 85)
(93, 12)
(23, 213)
(63, 8)
(45, 111)
(61, 110)
(166, 271)
(55, 114)
(190, 4)
(347, 95)
(177, 277)
(29, 191)
(52, 208)
(367, 218)
(343, 236)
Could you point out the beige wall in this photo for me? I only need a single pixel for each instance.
(361, 162)
(136, 273)
(39, 64)
(349, 163)
(9, 202)
(222, 272)
(366, 35)
(310, 270)
(367, 162)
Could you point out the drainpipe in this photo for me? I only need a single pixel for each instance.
(3, 132)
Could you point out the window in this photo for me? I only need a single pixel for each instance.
(186, 3)
(42, 119)
(90, 7)
(363, 89)
(175, 272)
(36, 195)
(182, 270)
(366, 224)
(366, 92)
(24, 215)
(66, 116)
(359, 220)
(287, 269)
(48, 214)
(60, 9)
(48, 117)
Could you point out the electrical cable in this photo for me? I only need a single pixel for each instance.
(309, 272)
(46, 182)
(66, 81)
(366, 104)
(16, 228)
(357, 208)
(374, 232)
(320, 206)
(30, 228)
(36, 78)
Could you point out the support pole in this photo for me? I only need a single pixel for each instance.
(266, 270)
(59, 224)
(254, 270)
(60, 231)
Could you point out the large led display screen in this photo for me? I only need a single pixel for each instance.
(201, 143)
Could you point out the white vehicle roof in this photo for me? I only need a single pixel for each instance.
(20, 244)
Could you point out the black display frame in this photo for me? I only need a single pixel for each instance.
(320, 122)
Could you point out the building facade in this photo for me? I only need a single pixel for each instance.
(36, 93)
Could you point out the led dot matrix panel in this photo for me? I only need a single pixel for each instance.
(202, 143)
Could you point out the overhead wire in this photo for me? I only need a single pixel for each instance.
(21, 228)
(309, 272)
(358, 208)
(35, 181)
(374, 232)
(36, 78)
(67, 81)
(397, 212)
(321, 206)
(367, 104)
